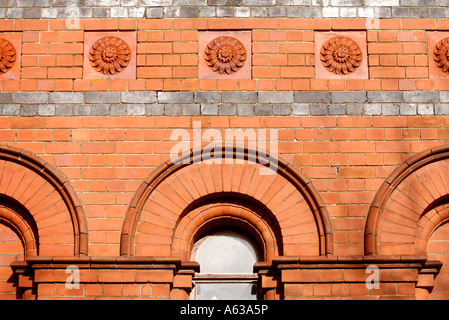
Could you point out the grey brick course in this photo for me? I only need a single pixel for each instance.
(29, 97)
(318, 109)
(227, 110)
(191, 109)
(47, 110)
(209, 109)
(136, 109)
(139, 97)
(245, 110)
(207, 97)
(66, 97)
(345, 97)
(421, 96)
(175, 97)
(263, 110)
(154, 109)
(276, 97)
(226, 103)
(300, 109)
(156, 9)
(28, 110)
(239, 97)
(383, 96)
(5, 97)
(102, 97)
(303, 97)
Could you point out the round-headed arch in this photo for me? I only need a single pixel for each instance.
(41, 205)
(17, 218)
(409, 205)
(254, 190)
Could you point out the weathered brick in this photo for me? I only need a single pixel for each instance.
(5, 98)
(102, 97)
(300, 109)
(239, 97)
(227, 110)
(318, 97)
(154, 109)
(374, 96)
(175, 97)
(191, 109)
(66, 97)
(139, 97)
(29, 97)
(263, 110)
(421, 96)
(207, 97)
(345, 97)
(276, 97)
(209, 109)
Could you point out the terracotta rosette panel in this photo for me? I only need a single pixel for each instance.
(341, 55)
(110, 55)
(438, 52)
(225, 55)
(10, 56)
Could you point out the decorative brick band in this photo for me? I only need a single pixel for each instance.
(224, 103)
(397, 55)
(62, 9)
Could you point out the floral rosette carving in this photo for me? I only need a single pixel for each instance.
(7, 55)
(110, 55)
(341, 55)
(225, 55)
(441, 54)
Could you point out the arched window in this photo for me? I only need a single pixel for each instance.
(226, 260)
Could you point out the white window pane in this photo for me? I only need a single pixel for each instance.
(226, 253)
(226, 291)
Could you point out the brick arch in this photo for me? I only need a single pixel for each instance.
(428, 224)
(11, 250)
(168, 193)
(414, 193)
(232, 212)
(438, 250)
(18, 219)
(47, 202)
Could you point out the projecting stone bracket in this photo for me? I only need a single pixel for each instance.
(168, 272)
(426, 279)
(378, 277)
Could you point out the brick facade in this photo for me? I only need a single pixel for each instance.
(359, 177)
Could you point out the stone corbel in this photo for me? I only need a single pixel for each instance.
(270, 285)
(26, 287)
(182, 282)
(426, 279)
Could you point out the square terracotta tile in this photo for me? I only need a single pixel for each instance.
(436, 72)
(10, 70)
(333, 63)
(229, 57)
(114, 55)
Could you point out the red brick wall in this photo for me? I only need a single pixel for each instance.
(106, 159)
(100, 162)
(11, 249)
(438, 249)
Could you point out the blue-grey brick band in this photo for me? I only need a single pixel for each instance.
(156, 9)
(226, 103)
